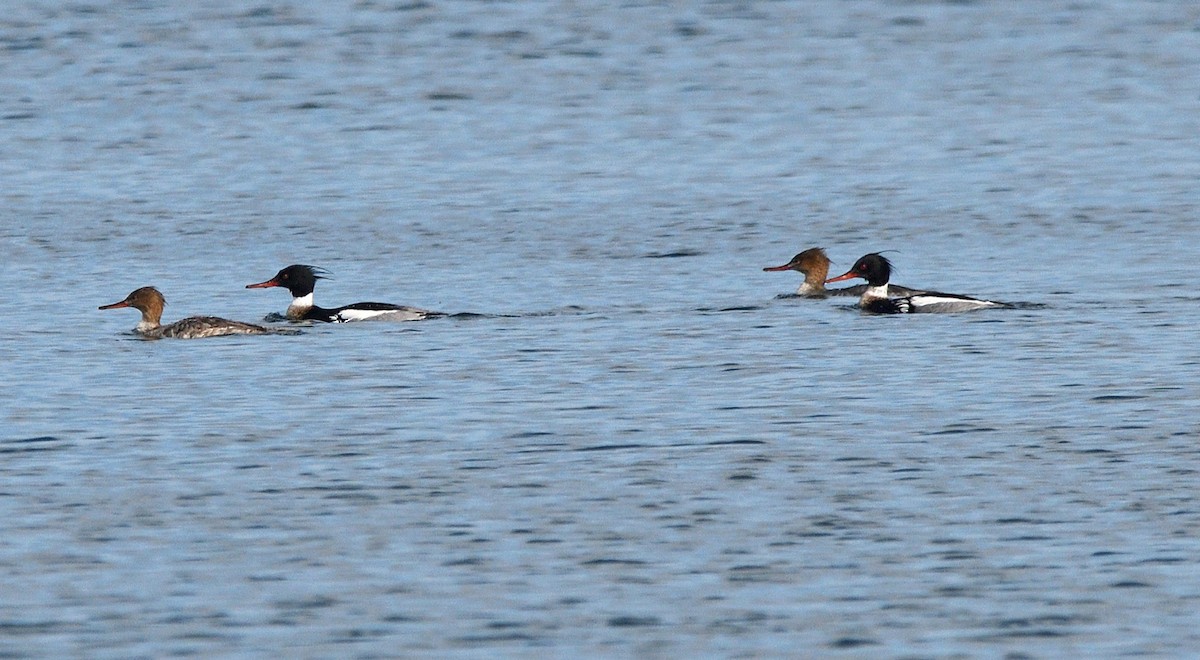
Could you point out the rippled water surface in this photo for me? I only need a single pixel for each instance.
(626, 441)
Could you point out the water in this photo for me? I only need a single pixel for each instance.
(629, 445)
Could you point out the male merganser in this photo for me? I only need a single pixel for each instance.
(814, 265)
(150, 302)
(876, 270)
(300, 280)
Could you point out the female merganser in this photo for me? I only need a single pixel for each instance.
(876, 270)
(150, 302)
(300, 280)
(814, 265)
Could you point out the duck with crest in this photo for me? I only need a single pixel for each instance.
(150, 303)
(877, 270)
(300, 280)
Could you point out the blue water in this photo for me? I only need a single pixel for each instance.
(626, 443)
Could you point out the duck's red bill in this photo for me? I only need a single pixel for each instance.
(776, 268)
(115, 305)
(848, 276)
(263, 285)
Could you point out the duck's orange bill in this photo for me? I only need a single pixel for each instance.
(848, 276)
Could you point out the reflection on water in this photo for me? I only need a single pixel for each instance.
(624, 441)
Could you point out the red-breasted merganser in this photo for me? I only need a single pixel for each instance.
(300, 280)
(814, 265)
(150, 302)
(876, 270)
